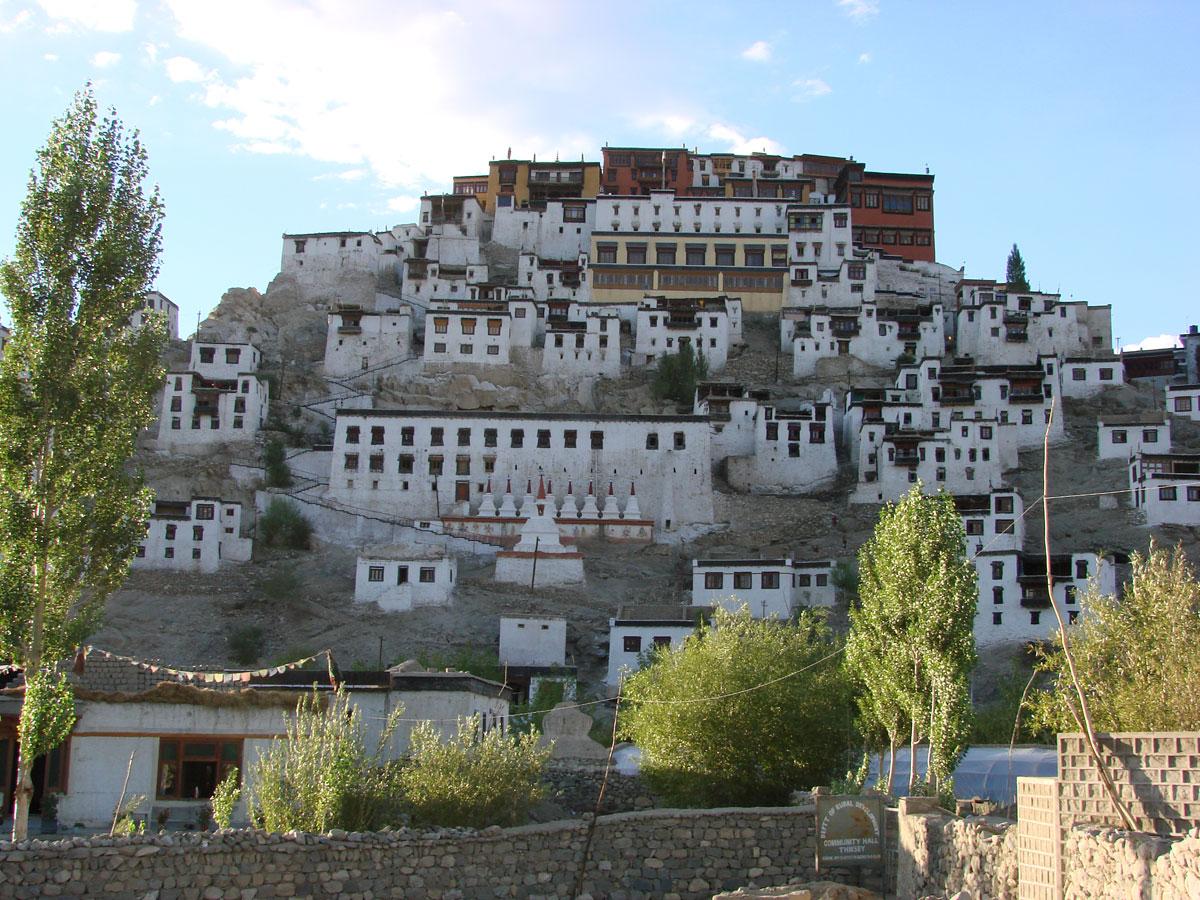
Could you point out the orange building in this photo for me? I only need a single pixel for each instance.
(890, 211)
(639, 170)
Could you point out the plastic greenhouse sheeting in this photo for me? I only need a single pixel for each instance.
(989, 772)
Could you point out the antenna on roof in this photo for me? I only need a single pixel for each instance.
(926, 168)
(510, 152)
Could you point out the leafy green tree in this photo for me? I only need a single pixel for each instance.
(321, 775)
(279, 475)
(742, 713)
(1136, 656)
(282, 525)
(471, 779)
(677, 374)
(912, 643)
(1015, 271)
(76, 387)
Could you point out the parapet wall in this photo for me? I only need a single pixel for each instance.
(685, 853)
(941, 854)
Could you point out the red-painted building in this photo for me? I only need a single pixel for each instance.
(640, 170)
(890, 211)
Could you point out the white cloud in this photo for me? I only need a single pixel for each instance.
(811, 88)
(106, 59)
(347, 175)
(864, 58)
(860, 10)
(50, 57)
(403, 203)
(674, 124)
(341, 84)
(154, 101)
(759, 51)
(22, 18)
(150, 51)
(736, 142)
(1157, 342)
(180, 69)
(93, 15)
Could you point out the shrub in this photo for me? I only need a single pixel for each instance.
(321, 776)
(781, 720)
(225, 797)
(676, 375)
(282, 525)
(275, 463)
(471, 780)
(246, 644)
(282, 585)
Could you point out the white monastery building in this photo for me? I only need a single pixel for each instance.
(665, 325)
(467, 336)
(323, 258)
(1010, 327)
(359, 340)
(875, 335)
(1184, 400)
(1014, 606)
(591, 346)
(1123, 436)
(401, 578)
(424, 464)
(1082, 378)
(156, 301)
(993, 521)
(219, 398)
(195, 535)
(767, 587)
(1166, 487)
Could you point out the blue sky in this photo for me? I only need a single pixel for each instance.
(1066, 127)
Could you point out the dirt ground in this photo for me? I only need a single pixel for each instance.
(303, 601)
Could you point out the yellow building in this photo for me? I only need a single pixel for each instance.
(753, 266)
(524, 183)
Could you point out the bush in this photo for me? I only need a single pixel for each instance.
(225, 797)
(246, 644)
(282, 585)
(275, 463)
(781, 720)
(677, 373)
(321, 776)
(472, 781)
(282, 525)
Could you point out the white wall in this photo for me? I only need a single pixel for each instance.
(1120, 440)
(1184, 400)
(1000, 618)
(155, 301)
(622, 661)
(453, 336)
(876, 337)
(402, 584)
(194, 544)
(238, 411)
(594, 350)
(1002, 328)
(533, 641)
(1083, 378)
(544, 232)
(659, 332)
(224, 361)
(792, 452)
(1166, 488)
(321, 259)
(674, 482)
(356, 341)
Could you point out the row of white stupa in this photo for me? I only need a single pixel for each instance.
(569, 509)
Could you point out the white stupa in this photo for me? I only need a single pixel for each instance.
(539, 557)
(508, 509)
(632, 510)
(487, 507)
(611, 510)
(569, 510)
(589, 510)
(527, 501)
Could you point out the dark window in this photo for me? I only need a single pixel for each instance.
(680, 441)
(769, 581)
(402, 575)
(997, 571)
(742, 580)
(543, 438)
(997, 618)
(435, 465)
(714, 581)
(197, 532)
(406, 464)
(207, 354)
(652, 441)
(974, 526)
(1081, 568)
(516, 438)
(464, 437)
(375, 573)
(631, 643)
(204, 511)
(436, 436)
(407, 436)
(462, 465)
(191, 769)
(375, 462)
(597, 440)
(570, 438)
(376, 434)
(350, 463)
(352, 432)
(426, 575)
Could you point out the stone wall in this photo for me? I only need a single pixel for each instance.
(658, 853)
(1104, 863)
(941, 854)
(576, 787)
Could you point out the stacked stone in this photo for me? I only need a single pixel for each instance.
(657, 853)
(941, 854)
(576, 787)
(1105, 863)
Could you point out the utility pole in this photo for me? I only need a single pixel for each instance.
(533, 570)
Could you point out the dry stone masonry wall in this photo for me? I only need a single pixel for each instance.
(941, 854)
(1106, 864)
(658, 853)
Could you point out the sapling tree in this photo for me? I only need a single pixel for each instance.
(77, 384)
(911, 645)
(1014, 271)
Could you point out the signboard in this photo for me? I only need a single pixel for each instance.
(849, 830)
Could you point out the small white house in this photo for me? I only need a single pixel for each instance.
(791, 451)
(400, 578)
(1123, 436)
(872, 334)
(1004, 326)
(1082, 377)
(767, 587)
(1166, 487)
(637, 630)
(1014, 606)
(177, 737)
(1184, 400)
(533, 641)
(201, 410)
(224, 361)
(357, 340)
(664, 325)
(482, 337)
(194, 535)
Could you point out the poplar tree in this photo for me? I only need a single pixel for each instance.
(912, 642)
(77, 384)
(1015, 271)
